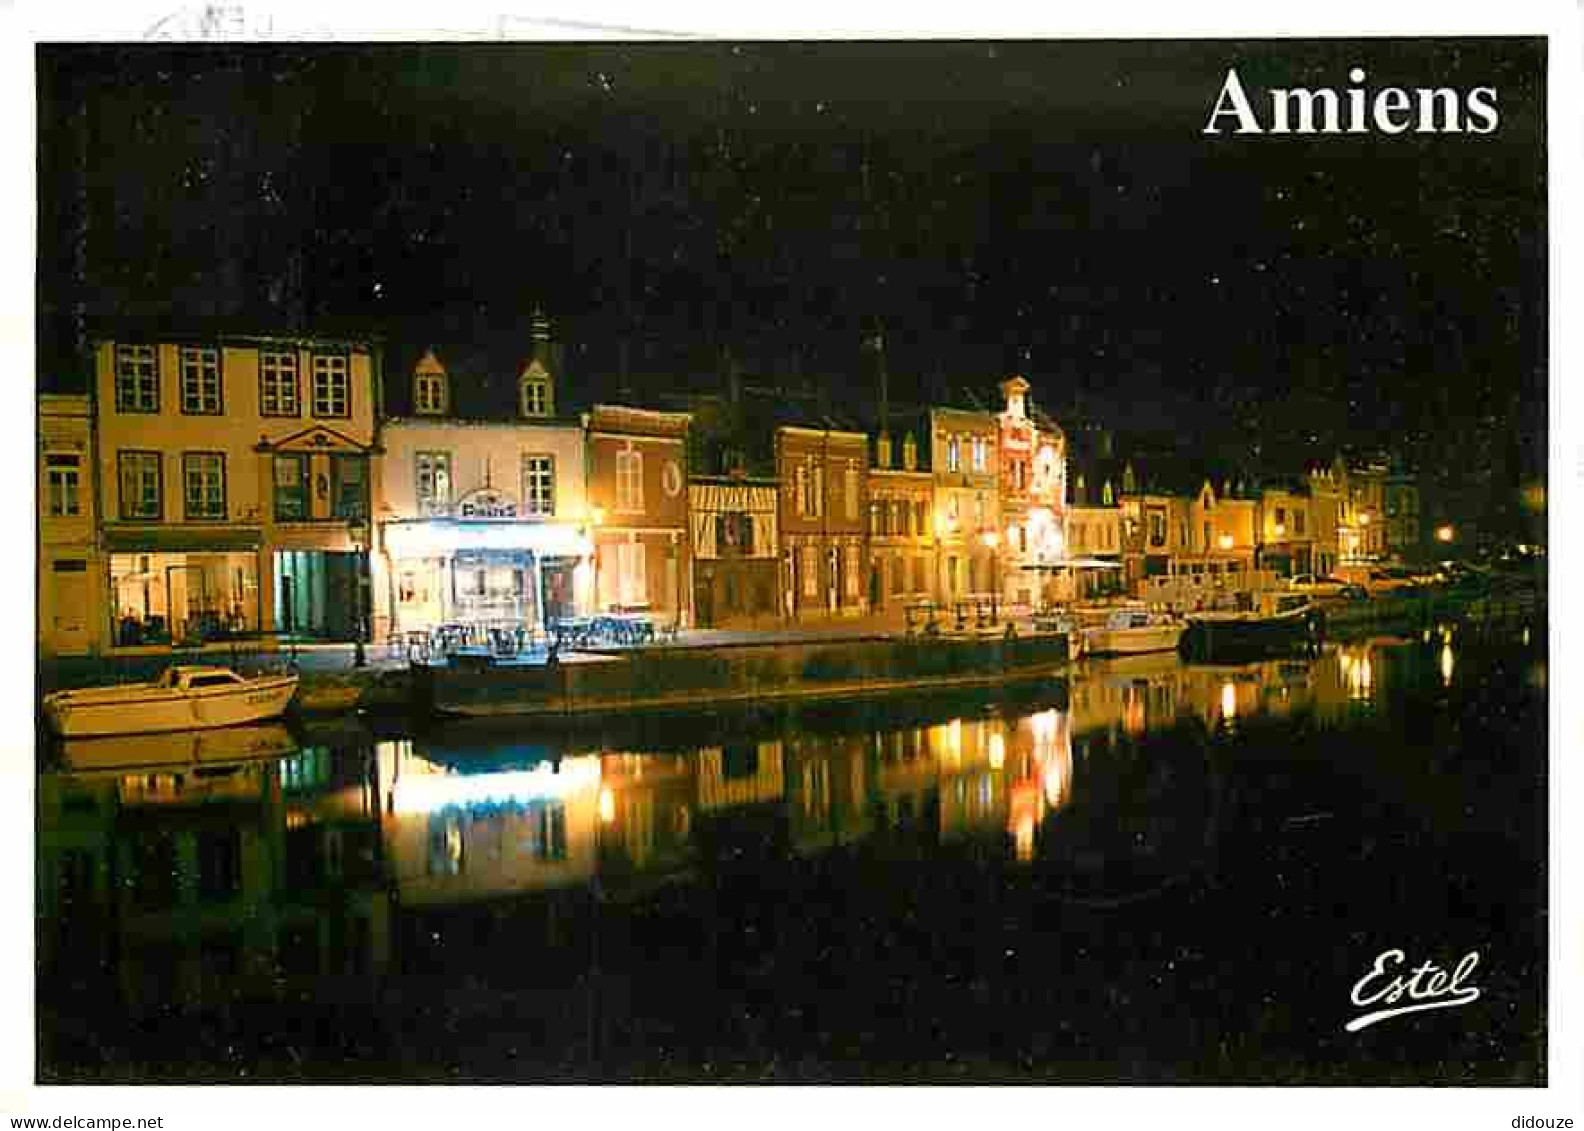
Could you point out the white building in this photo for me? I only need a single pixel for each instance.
(483, 516)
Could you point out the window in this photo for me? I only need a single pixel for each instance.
(535, 397)
(429, 393)
(332, 386)
(539, 485)
(918, 518)
(1298, 522)
(632, 574)
(1207, 536)
(350, 475)
(876, 518)
(200, 381)
(980, 448)
(898, 574)
(136, 379)
(800, 489)
(278, 389)
(629, 481)
(291, 488)
(434, 482)
(735, 529)
(142, 488)
(1157, 529)
(850, 490)
(1017, 474)
(953, 455)
(62, 476)
(850, 571)
(810, 572)
(203, 479)
(816, 491)
(909, 452)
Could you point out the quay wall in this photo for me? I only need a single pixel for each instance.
(694, 677)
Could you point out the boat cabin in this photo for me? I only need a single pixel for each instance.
(190, 677)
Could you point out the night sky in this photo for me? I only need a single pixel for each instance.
(1046, 208)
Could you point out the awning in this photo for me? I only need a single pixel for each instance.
(1075, 563)
(181, 540)
(435, 537)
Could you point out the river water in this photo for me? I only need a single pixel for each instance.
(1149, 872)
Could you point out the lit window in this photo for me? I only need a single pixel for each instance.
(810, 572)
(629, 481)
(62, 479)
(291, 488)
(953, 455)
(141, 485)
(200, 381)
(332, 389)
(278, 389)
(203, 479)
(351, 487)
(539, 485)
(433, 471)
(429, 393)
(980, 449)
(136, 379)
(850, 571)
(535, 397)
(850, 489)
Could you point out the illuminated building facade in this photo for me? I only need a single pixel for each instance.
(483, 514)
(234, 474)
(71, 572)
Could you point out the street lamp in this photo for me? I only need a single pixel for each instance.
(358, 532)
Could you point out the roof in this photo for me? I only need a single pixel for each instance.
(482, 378)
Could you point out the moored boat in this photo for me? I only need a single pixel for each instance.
(1278, 622)
(123, 753)
(186, 697)
(1134, 629)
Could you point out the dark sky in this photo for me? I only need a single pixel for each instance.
(1049, 208)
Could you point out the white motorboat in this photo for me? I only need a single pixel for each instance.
(186, 697)
(1131, 630)
(128, 752)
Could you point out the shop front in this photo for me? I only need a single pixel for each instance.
(177, 587)
(484, 571)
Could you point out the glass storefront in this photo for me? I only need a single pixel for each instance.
(173, 598)
(493, 585)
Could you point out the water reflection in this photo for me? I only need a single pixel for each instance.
(201, 870)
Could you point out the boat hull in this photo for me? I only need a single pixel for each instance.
(1133, 641)
(224, 745)
(147, 709)
(1207, 638)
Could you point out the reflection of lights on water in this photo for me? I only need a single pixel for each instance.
(1446, 664)
(428, 793)
(1537, 676)
(1357, 673)
(1023, 837)
(1228, 701)
(1526, 636)
(953, 749)
(997, 751)
(607, 805)
(1056, 779)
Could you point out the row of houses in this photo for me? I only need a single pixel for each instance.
(228, 486)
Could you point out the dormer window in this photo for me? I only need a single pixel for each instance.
(429, 386)
(534, 391)
(909, 452)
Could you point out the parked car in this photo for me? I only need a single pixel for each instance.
(1390, 580)
(1322, 586)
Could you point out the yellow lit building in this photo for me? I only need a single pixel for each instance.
(234, 474)
(70, 590)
